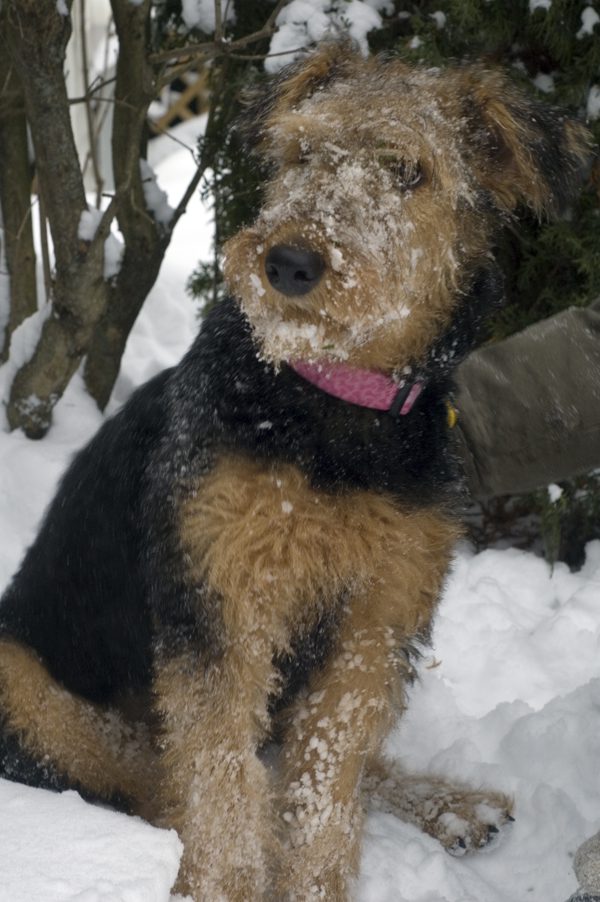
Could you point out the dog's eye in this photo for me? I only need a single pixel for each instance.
(406, 175)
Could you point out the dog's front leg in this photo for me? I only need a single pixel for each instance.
(215, 791)
(347, 713)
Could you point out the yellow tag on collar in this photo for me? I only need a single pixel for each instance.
(451, 414)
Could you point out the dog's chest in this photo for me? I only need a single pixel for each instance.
(273, 547)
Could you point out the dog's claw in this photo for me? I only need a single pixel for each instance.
(458, 849)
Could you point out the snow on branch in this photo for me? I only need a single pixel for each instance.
(304, 22)
(113, 248)
(155, 197)
(206, 15)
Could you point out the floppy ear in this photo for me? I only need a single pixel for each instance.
(293, 84)
(526, 151)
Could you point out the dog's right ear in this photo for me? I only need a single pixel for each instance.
(280, 94)
(527, 152)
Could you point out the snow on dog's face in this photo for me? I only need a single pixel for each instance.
(389, 184)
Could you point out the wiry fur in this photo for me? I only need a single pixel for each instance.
(238, 558)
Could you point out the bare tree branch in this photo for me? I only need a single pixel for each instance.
(218, 22)
(93, 151)
(36, 38)
(46, 266)
(266, 56)
(15, 199)
(145, 240)
(210, 49)
(37, 35)
(92, 89)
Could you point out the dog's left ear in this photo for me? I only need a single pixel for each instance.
(525, 151)
(296, 82)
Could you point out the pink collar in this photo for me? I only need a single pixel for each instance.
(366, 388)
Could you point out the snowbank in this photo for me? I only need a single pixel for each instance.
(508, 697)
(56, 848)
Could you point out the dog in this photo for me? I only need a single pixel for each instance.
(246, 558)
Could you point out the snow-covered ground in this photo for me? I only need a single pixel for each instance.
(509, 695)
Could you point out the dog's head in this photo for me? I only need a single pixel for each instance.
(389, 183)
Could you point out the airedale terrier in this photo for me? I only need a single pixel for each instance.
(250, 550)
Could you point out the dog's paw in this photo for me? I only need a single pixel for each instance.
(470, 821)
(461, 818)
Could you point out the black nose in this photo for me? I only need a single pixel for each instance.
(292, 270)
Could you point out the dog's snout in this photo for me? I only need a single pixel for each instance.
(292, 270)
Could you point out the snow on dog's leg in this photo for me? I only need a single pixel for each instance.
(346, 715)
(460, 817)
(55, 738)
(215, 791)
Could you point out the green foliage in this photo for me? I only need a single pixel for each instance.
(233, 182)
(568, 522)
(551, 266)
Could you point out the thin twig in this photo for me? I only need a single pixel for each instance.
(265, 56)
(28, 215)
(101, 118)
(103, 230)
(100, 121)
(92, 90)
(187, 195)
(164, 132)
(108, 100)
(213, 48)
(46, 268)
(201, 167)
(172, 74)
(206, 49)
(92, 151)
(181, 207)
(275, 12)
(218, 22)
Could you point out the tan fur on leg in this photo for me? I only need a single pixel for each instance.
(343, 720)
(90, 745)
(216, 794)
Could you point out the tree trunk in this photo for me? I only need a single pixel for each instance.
(15, 198)
(138, 274)
(36, 38)
(145, 240)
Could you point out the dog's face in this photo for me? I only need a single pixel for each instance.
(389, 184)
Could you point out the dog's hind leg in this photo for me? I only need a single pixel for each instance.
(460, 817)
(52, 738)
